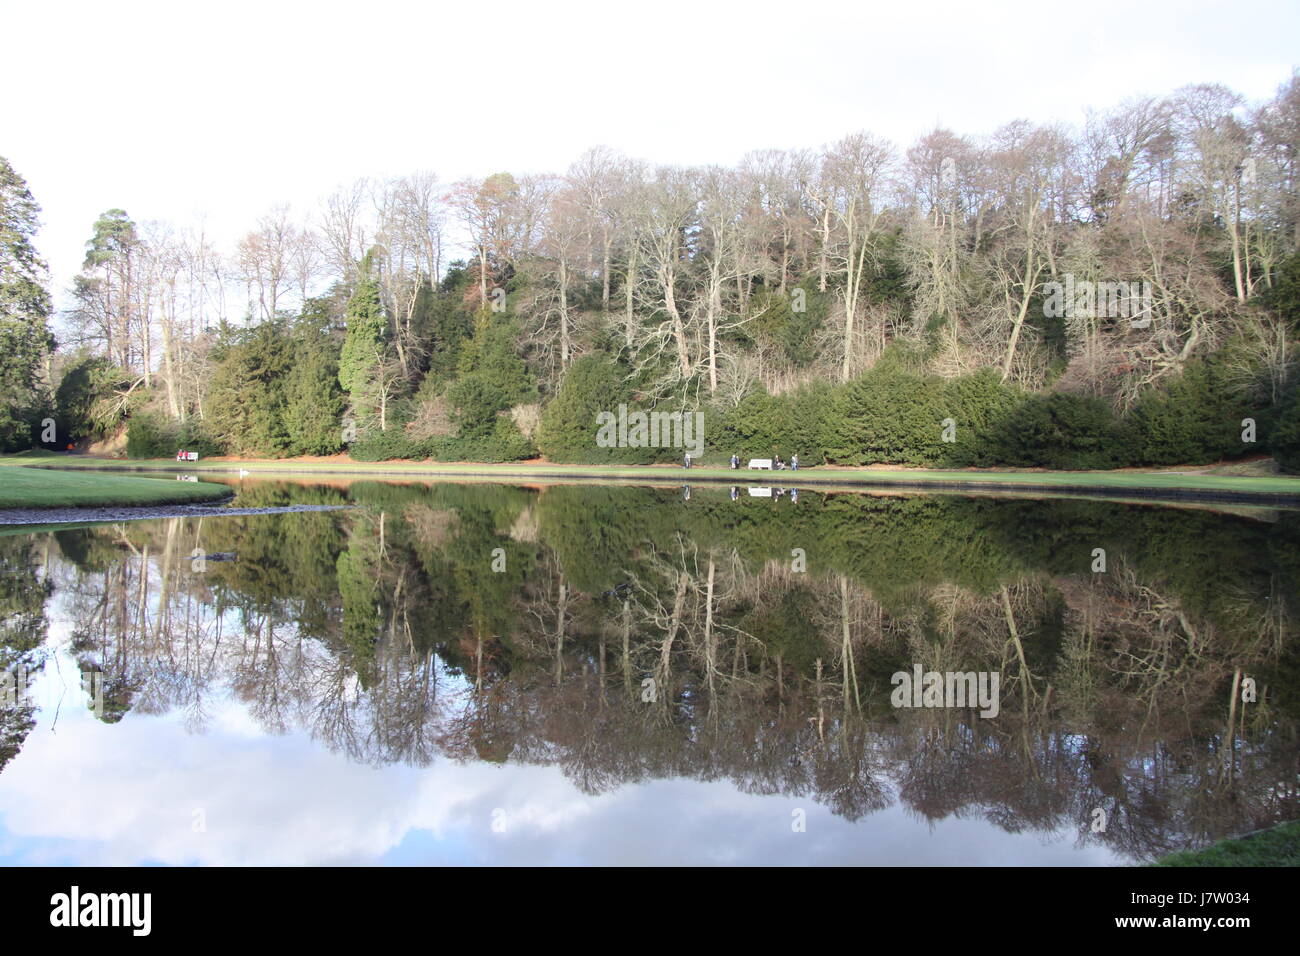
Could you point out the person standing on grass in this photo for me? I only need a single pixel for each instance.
(688, 460)
(794, 462)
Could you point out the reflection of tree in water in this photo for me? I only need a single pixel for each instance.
(23, 592)
(387, 634)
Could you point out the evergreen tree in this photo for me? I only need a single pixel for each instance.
(83, 401)
(25, 338)
(365, 348)
(449, 325)
(23, 628)
(313, 400)
(245, 410)
(594, 384)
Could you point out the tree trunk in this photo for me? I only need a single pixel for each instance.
(629, 326)
(564, 314)
(604, 273)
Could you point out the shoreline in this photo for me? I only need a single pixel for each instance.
(1140, 485)
(1277, 845)
(25, 518)
(27, 489)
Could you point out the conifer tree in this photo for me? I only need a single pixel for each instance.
(25, 338)
(365, 347)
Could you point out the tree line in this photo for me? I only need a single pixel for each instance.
(792, 276)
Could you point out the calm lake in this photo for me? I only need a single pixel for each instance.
(473, 673)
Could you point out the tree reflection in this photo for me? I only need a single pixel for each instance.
(625, 635)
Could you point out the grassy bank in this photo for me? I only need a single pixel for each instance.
(31, 457)
(1278, 846)
(1131, 483)
(44, 488)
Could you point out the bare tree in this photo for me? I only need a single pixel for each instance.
(850, 194)
(265, 259)
(344, 230)
(666, 220)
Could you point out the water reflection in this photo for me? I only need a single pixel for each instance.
(697, 652)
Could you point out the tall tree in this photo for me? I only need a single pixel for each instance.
(25, 339)
(246, 402)
(849, 196)
(313, 400)
(106, 289)
(365, 349)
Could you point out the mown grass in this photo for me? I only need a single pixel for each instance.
(1278, 846)
(1155, 482)
(46, 488)
(31, 456)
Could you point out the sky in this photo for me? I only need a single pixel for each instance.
(211, 114)
(150, 790)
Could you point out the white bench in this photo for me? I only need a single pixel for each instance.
(761, 463)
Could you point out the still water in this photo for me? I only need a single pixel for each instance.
(481, 673)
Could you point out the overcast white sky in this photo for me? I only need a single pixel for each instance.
(217, 111)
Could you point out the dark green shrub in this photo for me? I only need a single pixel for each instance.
(1285, 438)
(475, 400)
(505, 443)
(763, 425)
(146, 437)
(1195, 418)
(382, 446)
(594, 384)
(1056, 431)
(887, 416)
(193, 436)
(977, 404)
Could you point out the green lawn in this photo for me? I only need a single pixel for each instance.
(1278, 846)
(30, 457)
(45, 488)
(1137, 483)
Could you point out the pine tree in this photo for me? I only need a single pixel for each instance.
(365, 348)
(246, 401)
(25, 338)
(313, 401)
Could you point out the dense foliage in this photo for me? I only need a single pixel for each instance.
(25, 338)
(1124, 294)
